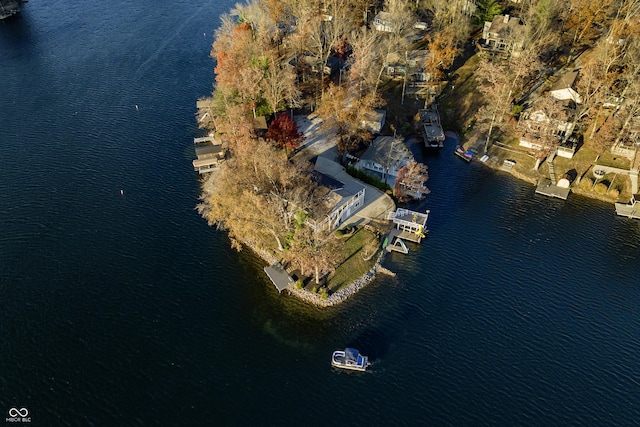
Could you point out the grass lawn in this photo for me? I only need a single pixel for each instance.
(354, 266)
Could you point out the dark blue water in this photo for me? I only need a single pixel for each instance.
(129, 310)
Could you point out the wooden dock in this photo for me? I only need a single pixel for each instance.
(631, 209)
(546, 188)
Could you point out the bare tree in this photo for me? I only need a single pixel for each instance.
(279, 86)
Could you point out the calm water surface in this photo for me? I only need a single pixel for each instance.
(129, 310)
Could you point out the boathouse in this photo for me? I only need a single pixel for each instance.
(209, 154)
(278, 276)
(432, 131)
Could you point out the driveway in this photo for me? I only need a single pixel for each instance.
(321, 142)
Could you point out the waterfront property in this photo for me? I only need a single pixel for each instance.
(384, 158)
(344, 198)
(209, 154)
(409, 225)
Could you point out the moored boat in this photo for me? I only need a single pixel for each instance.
(349, 358)
(465, 155)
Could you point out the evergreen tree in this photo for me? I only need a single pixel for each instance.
(487, 9)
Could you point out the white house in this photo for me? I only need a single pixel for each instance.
(344, 198)
(385, 156)
(538, 130)
(563, 88)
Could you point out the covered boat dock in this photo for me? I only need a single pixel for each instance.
(409, 226)
(278, 276)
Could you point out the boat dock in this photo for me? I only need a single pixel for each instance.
(209, 154)
(631, 209)
(432, 131)
(409, 226)
(546, 188)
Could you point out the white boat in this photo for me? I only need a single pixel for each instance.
(349, 358)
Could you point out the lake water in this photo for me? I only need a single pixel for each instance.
(127, 309)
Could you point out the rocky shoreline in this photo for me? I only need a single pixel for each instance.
(335, 298)
(344, 293)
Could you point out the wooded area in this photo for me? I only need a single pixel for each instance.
(333, 57)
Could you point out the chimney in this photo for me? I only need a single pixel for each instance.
(506, 19)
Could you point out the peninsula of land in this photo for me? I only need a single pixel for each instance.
(305, 154)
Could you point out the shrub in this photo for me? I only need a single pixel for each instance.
(586, 183)
(365, 177)
(600, 188)
(299, 284)
(614, 192)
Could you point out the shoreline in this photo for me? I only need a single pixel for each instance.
(335, 298)
(532, 176)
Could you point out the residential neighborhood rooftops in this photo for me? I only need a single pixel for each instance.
(385, 149)
(504, 25)
(563, 89)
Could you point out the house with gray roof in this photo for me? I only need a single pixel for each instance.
(345, 195)
(384, 158)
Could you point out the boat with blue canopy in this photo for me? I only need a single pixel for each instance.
(349, 358)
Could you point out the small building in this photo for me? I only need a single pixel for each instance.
(504, 35)
(279, 276)
(374, 121)
(209, 152)
(384, 158)
(563, 88)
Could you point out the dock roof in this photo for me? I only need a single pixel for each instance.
(278, 276)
